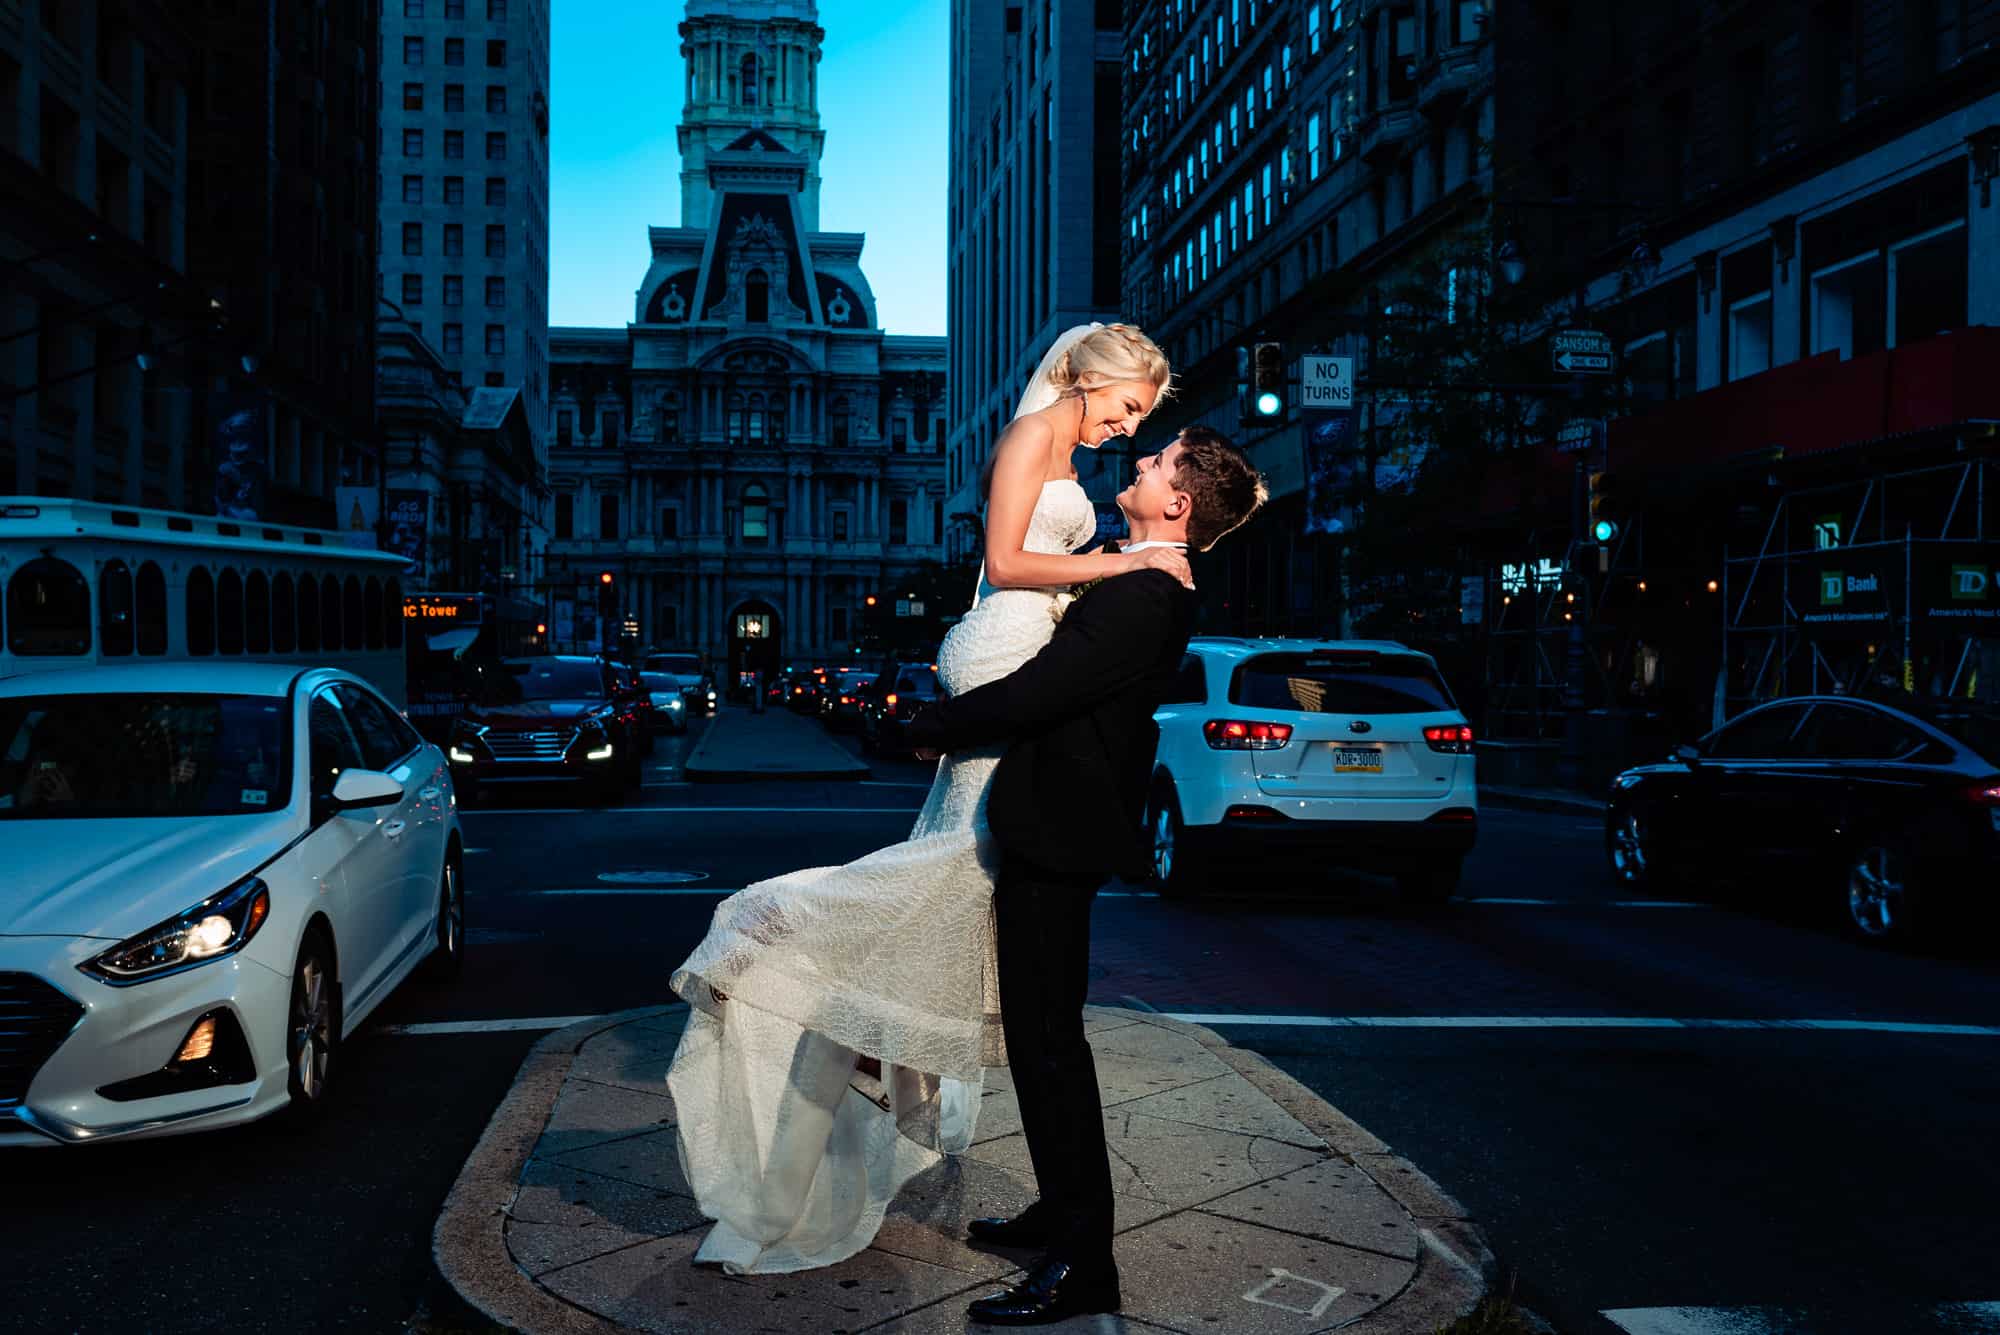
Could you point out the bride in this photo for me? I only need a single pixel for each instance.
(839, 1017)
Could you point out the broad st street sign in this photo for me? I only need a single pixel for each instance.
(1580, 352)
(1578, 434)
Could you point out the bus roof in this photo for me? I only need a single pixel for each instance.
(52, 518)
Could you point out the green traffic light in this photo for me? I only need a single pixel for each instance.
(1269, 404)
(1604, 530)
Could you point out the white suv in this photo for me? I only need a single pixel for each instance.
(1351, 751)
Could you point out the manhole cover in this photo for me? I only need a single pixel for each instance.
(651, 877)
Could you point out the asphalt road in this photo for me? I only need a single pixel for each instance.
(1843, 1174)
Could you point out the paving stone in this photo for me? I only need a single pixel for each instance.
(563, 1214)
(656, 1287)
(651, 1160)
(1169, 1162)
(588, 1113)
(1122, 1077)
(1226, 1103)
(999, 1114)
(631, 1055)
(1331, 1200)
(1196, 1272)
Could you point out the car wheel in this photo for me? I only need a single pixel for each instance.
(1632, 845)
(1433, 883)
(312, 1026)
(1878, 888)
(1176, 871)
(447, 961)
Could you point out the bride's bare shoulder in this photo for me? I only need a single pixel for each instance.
(1029, 432)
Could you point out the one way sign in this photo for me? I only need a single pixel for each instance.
(1580, 352)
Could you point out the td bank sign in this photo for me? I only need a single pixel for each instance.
(1835, 587)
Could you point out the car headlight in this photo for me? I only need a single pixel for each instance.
(459, 755)
(675, 702)
(219, 925)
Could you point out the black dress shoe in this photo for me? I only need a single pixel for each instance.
(1054, 1291)
(1026, 1229)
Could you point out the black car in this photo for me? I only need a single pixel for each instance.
(697, 683)
(1889, 815)
(558, 717)
(843, 697)
(893, 701)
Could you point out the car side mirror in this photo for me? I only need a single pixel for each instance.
(357, 788)
(1688, 754)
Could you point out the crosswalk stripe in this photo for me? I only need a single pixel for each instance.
(1579, 1022)
(485, 1026)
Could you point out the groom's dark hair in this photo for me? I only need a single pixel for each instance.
(1217, 477)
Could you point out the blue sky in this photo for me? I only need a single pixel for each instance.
(616, 82)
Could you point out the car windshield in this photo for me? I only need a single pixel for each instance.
(686, 665)
(547, 679)
(1341, 682)
(130, 755)
(660, 681)
(917, 681)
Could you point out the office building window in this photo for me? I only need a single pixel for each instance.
(607, 516)
(413, 289)
(840, 526)
(454, 289)
(496, 54)
(496, 98)
(496, 9)
(413, 50)
(565, 512)
(454, 9)
(496, 340)
(454, 238)
(496, 241)
(413, 238)
(496, 190)
(1312, 29)
(496, 291)
(454, 338)
(413, 189)
(413, 143)
(454, 189)
(454, 97)
(899, 519)
(1312, 145)
(454, 50)
(454, 143)
(413, 97)
(496, 145)
(413, 9)
(670, 522)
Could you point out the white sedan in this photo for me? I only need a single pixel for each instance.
(211, 873)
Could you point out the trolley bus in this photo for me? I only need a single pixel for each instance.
(93, 584)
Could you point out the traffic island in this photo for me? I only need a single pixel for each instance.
(1245, 1203)
(741, 746)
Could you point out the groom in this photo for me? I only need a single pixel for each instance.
(1065, 808)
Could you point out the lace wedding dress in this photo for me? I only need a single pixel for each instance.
(787, 1149)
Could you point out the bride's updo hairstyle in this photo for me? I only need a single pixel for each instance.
(1104, 356)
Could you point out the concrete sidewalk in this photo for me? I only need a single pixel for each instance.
(776, 744)
(1246, 1205)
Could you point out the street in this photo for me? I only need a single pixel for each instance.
(1631, 1163)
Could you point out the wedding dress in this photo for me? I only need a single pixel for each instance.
(791, 1153)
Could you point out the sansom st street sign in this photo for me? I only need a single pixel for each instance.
(1580, 352)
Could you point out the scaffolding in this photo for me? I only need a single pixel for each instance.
(1880, 582)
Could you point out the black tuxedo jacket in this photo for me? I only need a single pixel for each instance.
(1070, 793)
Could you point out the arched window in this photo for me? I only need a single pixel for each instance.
(309, 615)
(757, 296)
(756, 513)
(114, 609)
(284, 615)
(353, 621)
(229, 612)
(756, 424)
(48, 609)
(152, 616)
(200, 612)
(749, 80)
(843, 417)
(329, 614)
(257, 613)
(392, 594)
(371, 598)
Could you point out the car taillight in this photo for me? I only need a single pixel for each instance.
(1239, 735)
(1451, 738)
(1253, 813)
(890, 699)
(1985, 794)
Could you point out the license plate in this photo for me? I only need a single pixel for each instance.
(1356, 760)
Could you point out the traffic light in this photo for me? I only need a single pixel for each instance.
(1604, 508)
(1267, 387)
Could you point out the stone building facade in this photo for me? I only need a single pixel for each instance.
(752, 457)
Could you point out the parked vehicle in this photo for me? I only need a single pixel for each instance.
(1887, 816)
(841, 698)
(214, 873)
(669, 698)
(559, 717)
(697, 683)
(1349, 752)
(894, 700)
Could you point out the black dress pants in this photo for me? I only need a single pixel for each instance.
(1043, 927)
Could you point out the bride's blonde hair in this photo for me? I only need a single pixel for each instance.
(1115, 352)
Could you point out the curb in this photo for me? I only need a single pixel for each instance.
(469, 1245)
(1529, 799)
